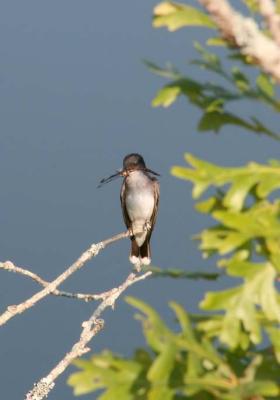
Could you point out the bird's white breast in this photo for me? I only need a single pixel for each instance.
(140, 202)
(140, 197)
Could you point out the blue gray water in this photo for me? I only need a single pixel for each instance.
(74, 99)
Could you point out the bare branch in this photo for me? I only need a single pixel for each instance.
(268, 11)
(244, 33)
(9, 266)
(94, 249)
(90, 328)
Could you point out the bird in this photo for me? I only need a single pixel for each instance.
(139, 197)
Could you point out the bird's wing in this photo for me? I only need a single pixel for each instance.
(126, 218)
(156, 199)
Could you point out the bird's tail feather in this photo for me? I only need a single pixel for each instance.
(134, 252)
(142, 254)
(145, 252)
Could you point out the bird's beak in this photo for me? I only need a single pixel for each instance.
(122, 172)
(151, 172)
(110, 178)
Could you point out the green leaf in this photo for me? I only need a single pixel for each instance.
(236, 229)
(211, 60)
(265, 85)
(168, 72)
(241, 304)
(265, 179)
(258, 388)
(156, 332)
(177, 273)
(269, 369)
(211, 98)
(169, 93)
(183, 319)
(216, 41)
(238, 191)
(215, 106)
(166, 96)
(253, 5)
(240, 79)
(220, 300)
(160, 392)
(215, 120)
(274, 336)
(161, 368)
(206, 206)
(158, 335)
(174, 16)
(194, 369)
(117, 392)
(106, 371)
(258, 221)
(83, 383)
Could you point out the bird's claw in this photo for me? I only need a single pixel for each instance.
(147, 226)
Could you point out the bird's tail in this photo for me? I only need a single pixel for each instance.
(145, 252)
(134, 252)
(142, 254)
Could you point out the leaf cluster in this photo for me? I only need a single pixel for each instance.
(247, 229)
(235, 81)
(179, 365)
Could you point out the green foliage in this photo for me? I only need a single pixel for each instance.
(231, 349)
(253, 179)
(256, 227)
(180, 273)
(176, 15)
(213, 100)
(106, 371)
(252, 5)
(247, 224)
(246, 306)
(180, 365)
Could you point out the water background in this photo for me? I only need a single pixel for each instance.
(74, 99)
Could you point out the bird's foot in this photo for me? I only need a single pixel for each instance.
(136, 261)
(137, 266)
(147, 226)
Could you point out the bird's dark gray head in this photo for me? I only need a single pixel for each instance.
(133, 161)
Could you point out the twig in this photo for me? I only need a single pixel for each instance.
(9, 266)
(244, 33)
(90, 328)
(268, 11)
(94, 249)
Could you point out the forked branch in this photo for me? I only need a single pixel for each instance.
(9, 266)
(90, 328)
(92, 251)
